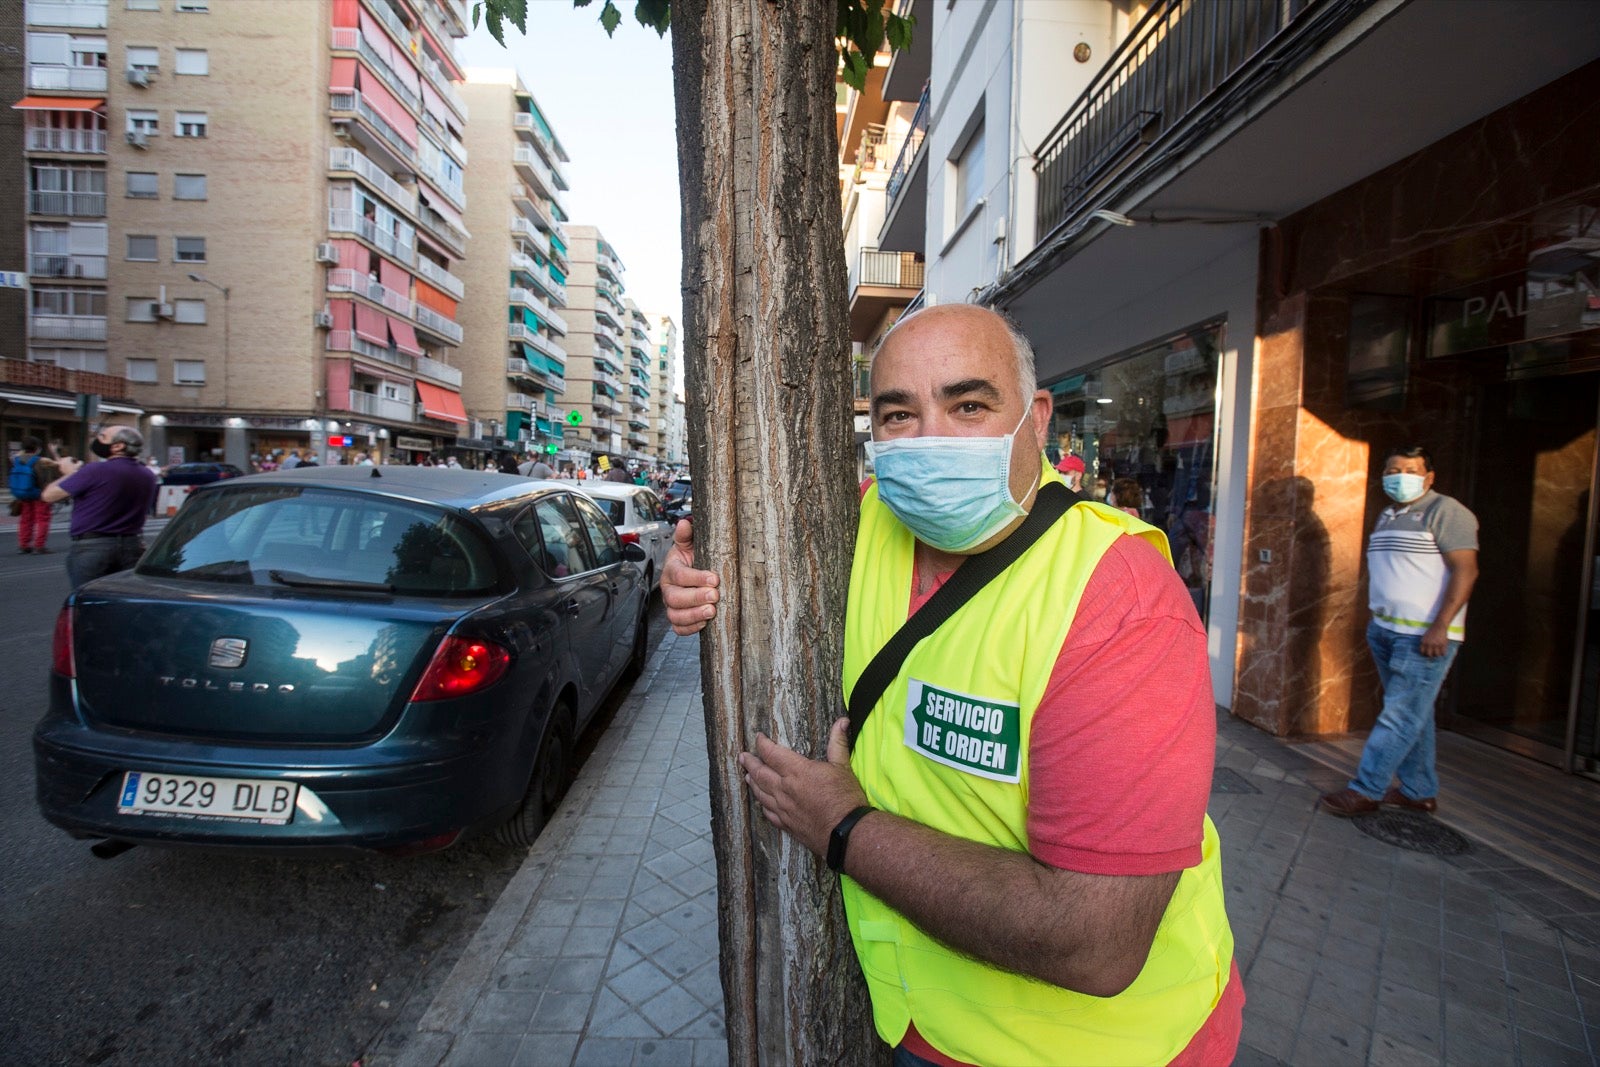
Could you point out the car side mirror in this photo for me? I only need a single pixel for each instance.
(633, 552)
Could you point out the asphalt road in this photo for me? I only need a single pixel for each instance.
(179, 957)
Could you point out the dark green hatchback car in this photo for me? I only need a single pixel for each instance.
(343, 657)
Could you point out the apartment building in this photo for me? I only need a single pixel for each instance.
(1256, 245)
(669, 435)
(250, 213)
(641, 385)
(596, 348)
(515, 358)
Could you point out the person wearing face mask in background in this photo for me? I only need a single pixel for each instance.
(1423, 560)
(1029, 873)
(110, 501)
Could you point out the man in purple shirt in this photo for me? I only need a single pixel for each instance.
(110, 500)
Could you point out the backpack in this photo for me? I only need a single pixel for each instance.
(23, 484)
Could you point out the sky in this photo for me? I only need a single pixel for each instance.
(610, 104)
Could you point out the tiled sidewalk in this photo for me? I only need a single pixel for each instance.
(602, 949)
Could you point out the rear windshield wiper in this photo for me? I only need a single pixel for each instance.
(297, 580)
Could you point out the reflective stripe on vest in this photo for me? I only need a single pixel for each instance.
(938, 749)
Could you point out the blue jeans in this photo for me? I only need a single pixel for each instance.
(95, 557)
(1402, 741)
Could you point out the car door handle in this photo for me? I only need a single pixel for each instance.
(570, 606)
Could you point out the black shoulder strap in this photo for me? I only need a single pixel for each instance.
(1052, 502)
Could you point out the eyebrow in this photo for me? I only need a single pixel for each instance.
(890, 397)
(967, 387)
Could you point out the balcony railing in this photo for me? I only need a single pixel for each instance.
(440, 277)
(347, 341)
(67, 266)
(439, 372)
(429, 319)
(343, 220)
(608, 379)
(67, 327)
(519, 402)
(533, 208)
(540, 342)
(50, 376)
(435, 224)
(1175, 60)
(77, 205)
(527, 161)
(907, 155)
(350, 160)
(353, 101)
(386, 15)
(45, 139)
(521, 227)
(345, 280)
(528, 297)
(381, 407)
(517, 367)
(436, 75)
(61, 76)
(84, 15)
(895, 270)
(349, 39)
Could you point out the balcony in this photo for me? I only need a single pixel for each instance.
(528, 336)
(440, 277)
(22, 372)
(603, 425)
(381, 407)
(343, 220)
(57, 76)
(607, 260)
(527, 231)
(519, 402)
(517, 367)
(75, 205)
(67, 327)
(438, 325)
(353, 103)
(448, 234)
(437, 77)
(906, 207)
(348, 159)
(345, 280)
(66, 266)
(347, 39)
(608, 379)
(439, 372)
(528, 298)
(534, 172)
(534, 208)
(879, 283)
(1174, 62)
(82, 15)
(386, 15)
(85, 142)
(347, 341)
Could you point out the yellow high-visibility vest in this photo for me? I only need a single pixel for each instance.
(947, 746)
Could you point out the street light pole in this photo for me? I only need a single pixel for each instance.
(227, 353)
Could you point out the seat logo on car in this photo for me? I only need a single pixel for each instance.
(228, 652)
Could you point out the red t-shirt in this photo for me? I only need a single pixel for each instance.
(1119, 775)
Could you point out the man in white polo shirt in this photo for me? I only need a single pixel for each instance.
(1423, 560)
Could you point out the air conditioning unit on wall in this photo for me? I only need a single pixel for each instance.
(162, 311)
(139, 77)
(324, 320)
(328, 253)
(138, 139)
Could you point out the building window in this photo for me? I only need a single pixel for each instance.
(145, 122)
(188, 187)
(188, 249)
(968, 174)
(188, 371)
(143, 185)
(190, 311)
(144, 5)
(198, 7)
(143, 248)
(87, 359)
(141, 309)
(192, 61)
(147, 60)
(191, 123)
(141, 370)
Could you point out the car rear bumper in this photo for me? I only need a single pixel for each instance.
(362, 798)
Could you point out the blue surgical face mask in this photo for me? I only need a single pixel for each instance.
(1403, 488)
(954, 493)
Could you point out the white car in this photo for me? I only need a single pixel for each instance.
(639, 517)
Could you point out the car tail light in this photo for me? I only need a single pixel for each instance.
(460, 667)
(631, 537)
(61, 660)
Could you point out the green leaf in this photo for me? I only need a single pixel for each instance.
(855, 70)
(898, 31)
(654, 14)
(581, 3)
(610, 17)
(477, 13)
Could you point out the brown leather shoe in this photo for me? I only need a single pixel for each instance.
(1400, 800)
(1347, 803)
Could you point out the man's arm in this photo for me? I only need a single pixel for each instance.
(1463, 566)
(55, 491)
(1089, 933)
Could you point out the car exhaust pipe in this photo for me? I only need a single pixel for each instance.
(110, 849)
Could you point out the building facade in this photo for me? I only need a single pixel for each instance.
(515, 359)
(1243, 289)
(669, 433)
(261, 246)
(597, 349)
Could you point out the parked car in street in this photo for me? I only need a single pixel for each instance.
(640, 519)
(200, 473)
(381, 658)
(678, 499)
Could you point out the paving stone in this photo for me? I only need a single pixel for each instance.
(588, 941)
(1390, 1051)
(710, 1052)
(671, 1010)
(476, 1049)
(667, 1052)
(546, 1050)
(1328, 1038)
(1565, 1029)
(639, 983)
(605, 1052)
(562, 1013)
(503, 1013)
(575, 976)
(1537, 1050)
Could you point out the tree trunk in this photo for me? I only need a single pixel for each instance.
(767, 366)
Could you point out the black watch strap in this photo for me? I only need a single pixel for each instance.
(839, 840)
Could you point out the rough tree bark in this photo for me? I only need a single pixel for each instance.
(767, 368)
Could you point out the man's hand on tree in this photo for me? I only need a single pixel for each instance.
(804, 798)
(690, 596)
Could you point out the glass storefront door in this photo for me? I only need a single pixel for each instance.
(1529, 681)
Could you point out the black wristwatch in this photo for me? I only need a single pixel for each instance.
(839, 840)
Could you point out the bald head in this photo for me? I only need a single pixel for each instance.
(979, 329)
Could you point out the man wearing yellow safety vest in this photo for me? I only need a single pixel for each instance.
(1029, 872)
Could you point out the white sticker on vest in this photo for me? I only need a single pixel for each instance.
(970, 733)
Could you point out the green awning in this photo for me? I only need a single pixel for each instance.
(543, 426)
(516, 422)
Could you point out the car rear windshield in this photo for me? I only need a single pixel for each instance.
(286, 537)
